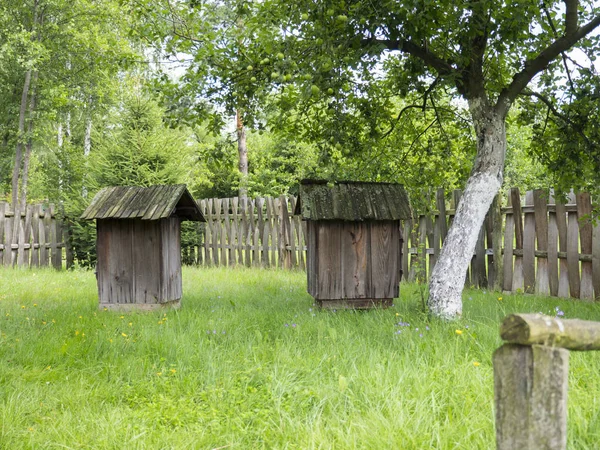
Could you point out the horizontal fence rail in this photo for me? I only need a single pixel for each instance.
(34, 239)
(533, 244)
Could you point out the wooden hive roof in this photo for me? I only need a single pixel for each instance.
(352, 201)
(146, 203)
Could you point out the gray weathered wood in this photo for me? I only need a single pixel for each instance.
(518, 278)
(530, 391)
(529, 247)
(542, 285)
(573, 252)
(496, 262)
(552, 250)
(561, 225)
(572, 334)
(509, 235)
(584, 215)
(596, 260)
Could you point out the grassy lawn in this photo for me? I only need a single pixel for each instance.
(248, 363)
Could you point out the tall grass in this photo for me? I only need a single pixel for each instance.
(248, 362)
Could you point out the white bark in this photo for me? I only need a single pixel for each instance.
(87, 139)
(448, 277)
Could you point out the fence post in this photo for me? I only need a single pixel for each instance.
(530, 392)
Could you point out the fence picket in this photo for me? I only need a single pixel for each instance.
(561, 225)
(540, 207)
(573, 250)
(552, 248)
(584, 213)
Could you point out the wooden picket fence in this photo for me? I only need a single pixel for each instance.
(251, 232)
(38, 241)
(541, 246)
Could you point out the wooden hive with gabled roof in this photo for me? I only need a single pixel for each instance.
(139, 244)
(354, 241)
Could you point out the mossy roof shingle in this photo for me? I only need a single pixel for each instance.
(353, 201)
(146, 203)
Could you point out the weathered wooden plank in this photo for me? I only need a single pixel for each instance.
(355, 250)
(28, 236)
(312, 258)
(228, 233)
(573, 252)
(56, 235)
(529, 247)
(218, 250)
(236, 216)
(584, 215)
(265, 236)
(530, 391)
(4, 249)
(256, 223)
(509, 234)
(596, 260)
(35, 230)
(384, 259)
(276, 245)
(44, 235)
(260, 229)
(441, 207)
(329, 256)
(552, 250)
(414, 245)
(495, 261)
(207, 212)
(530, 329)
(246, 240)
(407, 229)
(149, 260)
(285, 224)
(518, 278)
(542, 282)
(430, 244)
(422, 269)
(561, 225)
(479, 278)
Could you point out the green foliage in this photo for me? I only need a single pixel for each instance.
(138, 150)
(173, 379)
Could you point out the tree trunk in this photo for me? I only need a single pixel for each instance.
(448, 277)
(243, 155)
(19, 148)
(29, 145)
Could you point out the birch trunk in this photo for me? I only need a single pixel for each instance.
(448, 277)
(243, 155)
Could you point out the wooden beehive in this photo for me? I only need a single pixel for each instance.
(354, 242)
(139, 244)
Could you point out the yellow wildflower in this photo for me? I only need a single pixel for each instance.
(159, 373)
(123, 334)
(475, 363)
(499, 299)
(130, 324)
(173, 371)
(459, 332)
(35, 304)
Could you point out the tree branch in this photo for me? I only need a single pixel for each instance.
(539, 63)
(571, 16)
(563, 54)
(552, 108)
(442, 66)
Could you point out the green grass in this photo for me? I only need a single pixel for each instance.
(249, 363)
